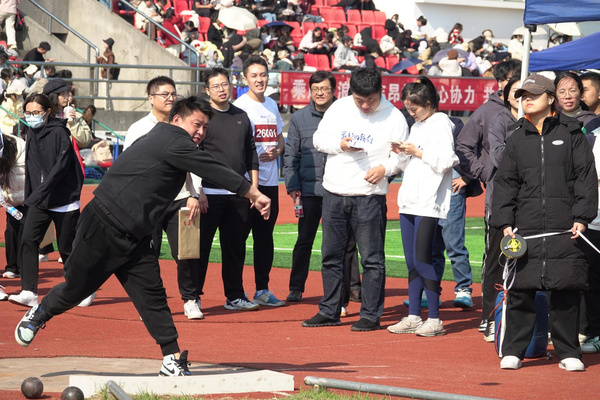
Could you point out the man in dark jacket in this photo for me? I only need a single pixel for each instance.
(114, 236)
(473, 149)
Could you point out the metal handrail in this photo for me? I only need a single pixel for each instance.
(159, 26)
(73, 31)
(95, 121)
(17, 117)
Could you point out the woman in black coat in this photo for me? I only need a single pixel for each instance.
(546, 183)
(53, 181)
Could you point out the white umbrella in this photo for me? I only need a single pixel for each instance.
(566, 28)
(237, 18)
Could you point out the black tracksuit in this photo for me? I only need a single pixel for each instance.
(114, 234)
(53, 178)
(229, 138)
(544, 183)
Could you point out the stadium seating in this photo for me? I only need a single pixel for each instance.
(380, 17)
(354, 16)
(368, 17)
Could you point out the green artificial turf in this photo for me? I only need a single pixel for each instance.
(286, 234)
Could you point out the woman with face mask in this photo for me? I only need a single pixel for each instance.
(53, 181)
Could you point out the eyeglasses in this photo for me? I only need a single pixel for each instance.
(563, 93)
(34, 113)
(215, 88)
(323, 90)
(165, 95)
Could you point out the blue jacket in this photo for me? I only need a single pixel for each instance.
(303, 165)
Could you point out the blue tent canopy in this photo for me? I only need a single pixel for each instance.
(539, 12)
(579, 54)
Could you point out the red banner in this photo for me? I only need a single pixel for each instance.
(456, 94)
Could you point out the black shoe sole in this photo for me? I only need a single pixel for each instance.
(374, 328)
(332, 323)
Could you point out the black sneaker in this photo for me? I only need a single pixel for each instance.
(29, 325)
(483, 325)
(364, 325)
(320, 320)
(175, 367)
(294, 296)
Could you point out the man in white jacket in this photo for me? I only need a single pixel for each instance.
(355, 133)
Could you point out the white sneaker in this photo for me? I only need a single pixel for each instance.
(3, 296)
(571, 364)
(583, 338)
(87, 301)
(43, 257)
(242, 304)
(431, 328)
(10, 275)
(25, 298)
(172, 366)
(192, 309)
(406, 325)
(60, 260)
(510, 362)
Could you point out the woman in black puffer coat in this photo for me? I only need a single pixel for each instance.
(546, 182)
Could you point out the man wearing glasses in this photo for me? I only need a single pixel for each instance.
(161, 95)
(229, 138)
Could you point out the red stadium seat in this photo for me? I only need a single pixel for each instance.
(352, 31)
(262, 22)
(307, 26)
(204, 24)
(380, 62)
(294, 24)
(326, 13)
(311, 60)
(319, 3)
(378, 32)
(354, 16)
(368, 17)
(323, 62)
(390, 61)
(338, 15)
(380, 17)
(181, 5)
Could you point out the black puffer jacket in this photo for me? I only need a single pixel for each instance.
(545, 183)
(53, 175)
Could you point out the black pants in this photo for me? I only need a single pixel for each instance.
(187, 270)
(590, 300)
(12, 240)
(36, 224)
(262, 236)
(491, 272)
(564, 322)
(101, 250)
(307, 230)
(229, 213)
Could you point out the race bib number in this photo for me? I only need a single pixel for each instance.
(265, 133)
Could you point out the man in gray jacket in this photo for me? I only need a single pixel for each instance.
(473, 146)
(303, 173)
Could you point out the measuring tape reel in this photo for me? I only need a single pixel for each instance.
(513, 247)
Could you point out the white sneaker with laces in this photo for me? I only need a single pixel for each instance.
(10, 275)
(3, 296)
(510, 362)
(431, 328)
(172, 366)
(192, 309)
(25, 298)
(571, 364)
(241, 304)
(87, 301)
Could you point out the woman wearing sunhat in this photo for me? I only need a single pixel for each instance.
(546, 183)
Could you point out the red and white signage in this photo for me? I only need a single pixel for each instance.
(456, 94)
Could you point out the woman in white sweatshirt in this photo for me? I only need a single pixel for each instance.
(423, 198)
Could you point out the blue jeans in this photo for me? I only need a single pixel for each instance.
(452, 233)
(365, 217)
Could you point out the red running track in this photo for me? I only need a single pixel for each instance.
(273, 338)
